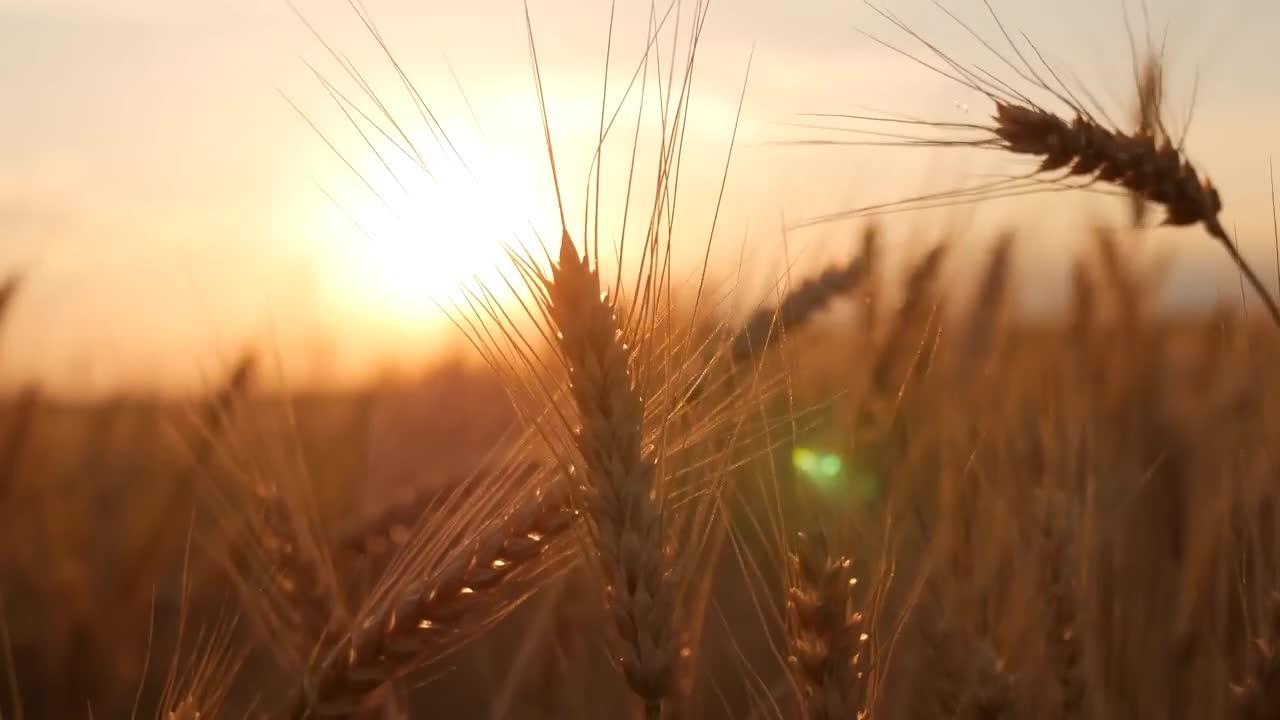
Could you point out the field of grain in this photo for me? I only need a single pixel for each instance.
(889, 495)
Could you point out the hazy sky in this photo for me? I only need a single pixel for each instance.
(168, 205)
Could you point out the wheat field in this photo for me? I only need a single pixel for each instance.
(887, 494)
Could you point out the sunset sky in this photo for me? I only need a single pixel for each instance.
(168, 206)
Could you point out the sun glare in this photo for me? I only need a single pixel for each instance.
(407, 254)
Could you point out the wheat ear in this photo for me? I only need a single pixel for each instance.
(1151, 169)
(828, 650)
(625, 518)
(386, 643)
(767, 325)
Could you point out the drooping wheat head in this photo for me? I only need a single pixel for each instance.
(1075, 149)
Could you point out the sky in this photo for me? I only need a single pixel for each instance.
(176, 179)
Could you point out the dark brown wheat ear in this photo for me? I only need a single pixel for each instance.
(1078, 147)
(1150, 168)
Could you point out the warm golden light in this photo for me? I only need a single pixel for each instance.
(423, 240)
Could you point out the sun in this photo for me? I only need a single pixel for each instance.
(423, 256)
(409, 256)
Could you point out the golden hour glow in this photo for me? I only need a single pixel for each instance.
(424, 240)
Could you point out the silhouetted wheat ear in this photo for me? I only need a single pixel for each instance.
(828, 650)
(1152, 169)
(617, 479)
(388, 642)
(767, 325)
(1257, 697)
(1156, 172)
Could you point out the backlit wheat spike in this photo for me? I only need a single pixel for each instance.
(828, 650)
(618, 477)
(387, 643)
(768, 325)
(1145, 162)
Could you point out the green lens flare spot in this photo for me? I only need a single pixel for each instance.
(824, 470)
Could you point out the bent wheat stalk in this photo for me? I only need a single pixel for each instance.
(1145, 162)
